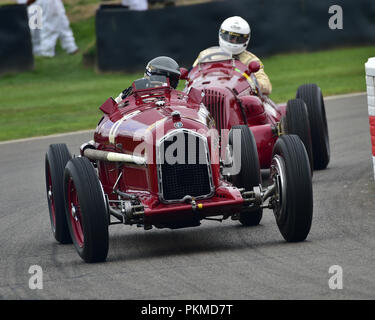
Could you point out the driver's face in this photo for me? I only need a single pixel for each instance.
(233, 39)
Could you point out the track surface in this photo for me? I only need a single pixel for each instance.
(213, 261)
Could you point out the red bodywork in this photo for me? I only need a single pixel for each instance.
(125, 126)
(226, 87)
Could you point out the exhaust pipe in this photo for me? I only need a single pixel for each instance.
(114, 157)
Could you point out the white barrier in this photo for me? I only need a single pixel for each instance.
(370, 83)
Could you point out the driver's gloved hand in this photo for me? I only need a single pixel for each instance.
(123, 95)
(126, 93)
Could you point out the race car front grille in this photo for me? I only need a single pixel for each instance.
(183, 167)
(214, 102)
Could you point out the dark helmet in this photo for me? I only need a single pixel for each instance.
(164, 66)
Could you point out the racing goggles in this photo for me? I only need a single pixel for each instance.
(233, 37)
(152, 71)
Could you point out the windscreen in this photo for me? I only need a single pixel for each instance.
(154, 81)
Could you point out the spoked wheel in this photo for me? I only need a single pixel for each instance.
(56, 158)
(86, 210)
(246, 165)
(74, 212)
(293, 199)
(296, 121)
(312, 95)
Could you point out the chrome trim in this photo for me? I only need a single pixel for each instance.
(114, 157)
(278, 175)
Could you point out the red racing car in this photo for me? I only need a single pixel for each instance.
(232, 99)
(155, 161)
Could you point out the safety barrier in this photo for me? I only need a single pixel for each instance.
(370, 82)
(15, 40)
(126, 40)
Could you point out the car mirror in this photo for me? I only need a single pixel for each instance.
(184, 74)
(254, 66)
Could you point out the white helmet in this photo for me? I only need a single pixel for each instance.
(234, 35)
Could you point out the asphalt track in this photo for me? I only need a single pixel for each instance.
(213, 261)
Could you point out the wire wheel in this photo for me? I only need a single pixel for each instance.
(74, 212)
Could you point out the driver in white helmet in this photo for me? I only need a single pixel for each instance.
(234, 37)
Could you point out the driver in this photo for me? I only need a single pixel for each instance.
(161, 66)
(234, 37)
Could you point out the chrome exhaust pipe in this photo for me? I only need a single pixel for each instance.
(114, 157)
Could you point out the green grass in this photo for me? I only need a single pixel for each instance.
(59, 95)
(62, 95)
(336, 71)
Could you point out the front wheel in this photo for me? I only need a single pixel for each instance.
(86, 210)
(246, 165)
(56, 158)
(293, 199)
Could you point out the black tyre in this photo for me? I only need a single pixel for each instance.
(248, 175)
(56, 158)
(86, 210)
(296, 121)
(312, 95)
(293, 203)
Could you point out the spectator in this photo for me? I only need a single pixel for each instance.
(138, 5)
(55, 26)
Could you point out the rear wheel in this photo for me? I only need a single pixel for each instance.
(246, 166)
(293, 200)
(56, 158)
(296, 121)
(312, 95)
(86, 210)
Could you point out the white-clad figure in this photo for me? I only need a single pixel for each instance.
(138, 5)
(35, 33)
(55, 26)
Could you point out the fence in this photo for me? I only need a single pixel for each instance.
(126, 40)
(15, 40)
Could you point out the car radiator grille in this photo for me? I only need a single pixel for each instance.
(214, 102)
(191, 174)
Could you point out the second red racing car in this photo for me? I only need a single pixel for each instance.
(233, 97)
